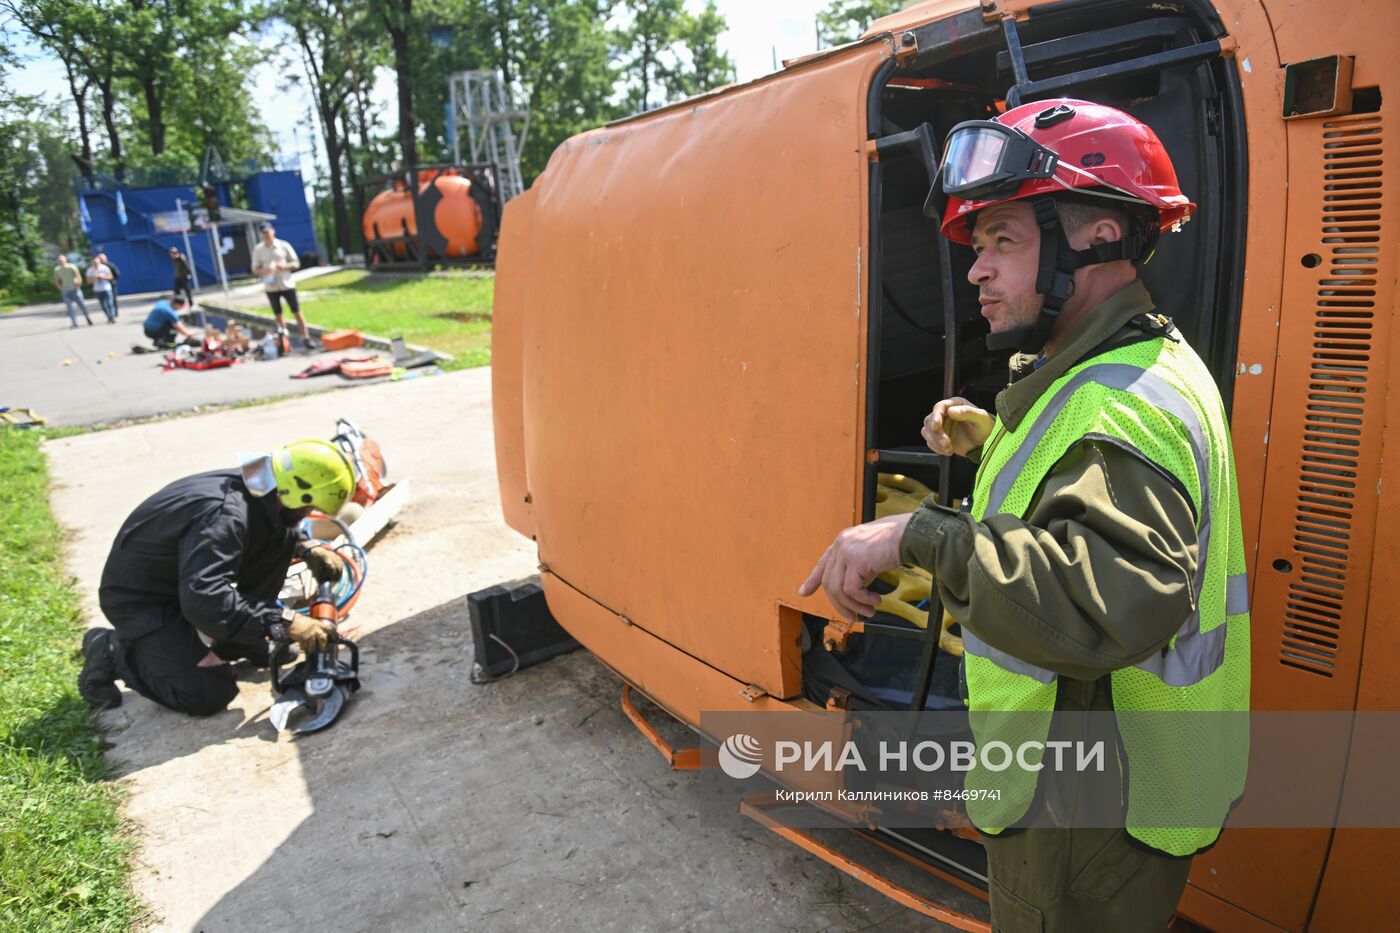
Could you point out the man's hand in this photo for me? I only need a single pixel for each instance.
(856, 557)
(956, 426)
(311, 634)
(325, 564)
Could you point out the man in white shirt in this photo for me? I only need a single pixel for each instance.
(99, 275)
(274, 261)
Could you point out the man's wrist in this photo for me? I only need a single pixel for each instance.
(277, 629)
(919, 541)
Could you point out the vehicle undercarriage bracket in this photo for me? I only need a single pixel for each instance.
(757, 809)
(679, 759)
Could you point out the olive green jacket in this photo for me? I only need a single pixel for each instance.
(1098, 574)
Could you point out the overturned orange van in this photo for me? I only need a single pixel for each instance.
(718, 326)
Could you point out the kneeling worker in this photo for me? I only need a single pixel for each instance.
(163, 323)
(193, 577)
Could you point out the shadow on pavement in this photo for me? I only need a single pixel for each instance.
(531, 804)
(141, 734)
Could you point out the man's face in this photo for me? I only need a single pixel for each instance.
(62, 259)
(1007, 242)
(293, 517)
(267, 235)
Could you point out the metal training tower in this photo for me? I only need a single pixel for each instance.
(481, 101)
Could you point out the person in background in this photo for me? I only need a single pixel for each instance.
(116, 280)
(274, 261)
(163, 323)
(99, 275)
(69, 282)
(182, 275)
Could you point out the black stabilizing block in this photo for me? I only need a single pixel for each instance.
(513, 629)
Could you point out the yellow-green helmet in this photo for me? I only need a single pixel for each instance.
(312, 473)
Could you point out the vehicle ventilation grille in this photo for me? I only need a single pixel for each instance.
(1337, 391)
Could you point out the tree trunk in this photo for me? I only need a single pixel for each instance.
(402, 11)
(109, 120)
(503, 34)
(356, 231)
(80, 104)
(335, 148)
(403, 71)
(358, 91)
(150, 86)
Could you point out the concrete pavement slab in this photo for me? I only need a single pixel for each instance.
(433, 804)
(89, 375)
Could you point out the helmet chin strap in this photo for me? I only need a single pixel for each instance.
(1054, 280)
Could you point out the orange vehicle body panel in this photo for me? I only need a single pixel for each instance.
(680, 401)
(513, 277)
(659, 360)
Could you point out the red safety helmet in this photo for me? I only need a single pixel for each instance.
(1051, 147)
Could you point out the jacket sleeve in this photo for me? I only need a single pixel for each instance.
(290, 255)
(211, 552)
(1098, 576)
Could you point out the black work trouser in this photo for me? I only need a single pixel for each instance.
(162, 663)
(275, 299)
(182, 284)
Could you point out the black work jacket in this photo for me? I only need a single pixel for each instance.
(206, 545)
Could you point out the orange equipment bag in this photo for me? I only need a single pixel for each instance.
(365, 456)
(366, 369)
(342, 339)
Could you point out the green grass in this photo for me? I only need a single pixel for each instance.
(447, 311)
(9, 302)
(63, 851)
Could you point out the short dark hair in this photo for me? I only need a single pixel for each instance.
(1078, 211)
(1077, 214)
(177, 300)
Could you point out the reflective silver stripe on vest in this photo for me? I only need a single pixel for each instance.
(1196, 654)
(1237, 594)
(974, 645)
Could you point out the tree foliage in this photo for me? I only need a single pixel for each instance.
(21, 169)
(846, 20)
(166, 78)
(710, 66)
(151, 84)
(665, 53)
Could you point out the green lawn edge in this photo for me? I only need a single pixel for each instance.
(449, 311)
(65, 854)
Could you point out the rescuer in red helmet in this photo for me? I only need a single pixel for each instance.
(1100, 567)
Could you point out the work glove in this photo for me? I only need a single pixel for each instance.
(325, 564)
(311, 634)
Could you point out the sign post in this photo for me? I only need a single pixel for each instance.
(218, 255)
(185, 233)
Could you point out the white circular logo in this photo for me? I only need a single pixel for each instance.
(740, 756)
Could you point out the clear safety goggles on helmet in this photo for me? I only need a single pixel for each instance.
(257, 473)
(983, 158)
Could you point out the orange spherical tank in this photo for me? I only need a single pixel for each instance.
(458, 216)
(390, 210)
